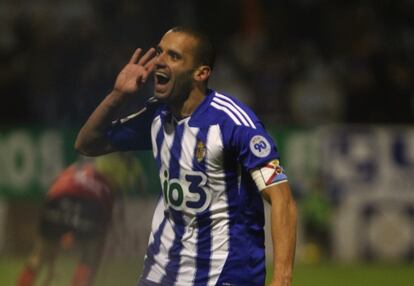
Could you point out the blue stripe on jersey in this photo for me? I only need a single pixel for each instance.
(245, 263)
(159, 140)
(179, 228)
(232, 192)
(154, 247)
(204, 224)
(174, 253)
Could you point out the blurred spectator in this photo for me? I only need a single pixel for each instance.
(58, 56)
(77, 210)
(315, 96)
(227, 78)
(13, 71)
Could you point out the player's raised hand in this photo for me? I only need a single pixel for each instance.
(135, 73)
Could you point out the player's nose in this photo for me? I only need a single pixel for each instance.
(160, 59)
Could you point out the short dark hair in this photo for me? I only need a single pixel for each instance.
(205, 53)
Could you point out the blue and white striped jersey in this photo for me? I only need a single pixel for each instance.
(208, 224)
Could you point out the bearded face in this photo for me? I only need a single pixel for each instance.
(174, 67)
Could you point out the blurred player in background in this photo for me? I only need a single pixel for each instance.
(77, 210)
(216, 162)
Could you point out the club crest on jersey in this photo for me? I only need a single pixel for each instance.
(200, 151)
(260, 146)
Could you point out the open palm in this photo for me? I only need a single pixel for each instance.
(136, 72)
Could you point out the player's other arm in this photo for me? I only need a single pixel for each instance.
(283, 228)
(91, 139)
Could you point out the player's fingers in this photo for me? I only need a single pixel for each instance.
(149, 66)
(147, 57)
(144, 77)
(135, 56)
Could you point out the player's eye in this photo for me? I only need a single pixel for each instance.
(174, 56)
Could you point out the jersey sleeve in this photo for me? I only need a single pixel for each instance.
(133, 132)
(257, 152)
(254, 147)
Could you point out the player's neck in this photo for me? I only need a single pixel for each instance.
(187, 107)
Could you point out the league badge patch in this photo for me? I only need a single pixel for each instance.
(260, 146)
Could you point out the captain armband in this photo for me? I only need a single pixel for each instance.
(269, 174)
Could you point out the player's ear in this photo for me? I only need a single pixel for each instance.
(202, 73)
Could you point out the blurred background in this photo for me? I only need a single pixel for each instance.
(332, 81)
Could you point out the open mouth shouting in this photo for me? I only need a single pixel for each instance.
(161, 80)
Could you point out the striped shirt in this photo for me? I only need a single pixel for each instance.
(208, 224)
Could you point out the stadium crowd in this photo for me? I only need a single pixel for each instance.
(297, 62)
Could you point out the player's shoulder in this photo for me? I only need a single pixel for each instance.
(228, 110)
(152, 109)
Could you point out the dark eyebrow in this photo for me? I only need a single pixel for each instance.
(170, 52)
(174, 53)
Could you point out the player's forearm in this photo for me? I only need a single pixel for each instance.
(283, 220)
(91, 139)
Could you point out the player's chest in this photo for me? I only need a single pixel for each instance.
(191, 148)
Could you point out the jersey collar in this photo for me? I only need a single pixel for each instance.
(198, 116)
(195, 119)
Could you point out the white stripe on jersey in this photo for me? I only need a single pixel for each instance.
(233, 109)
(156, 125)
(157, 271)
(226, 110)
(165, 155)
(237, 107)
(156, 220)
(188, 146)
(187, 268)
(156, 223)
(216, 183)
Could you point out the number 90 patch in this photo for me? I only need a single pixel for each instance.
(260, 146)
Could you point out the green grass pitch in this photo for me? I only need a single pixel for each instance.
(125, 272)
